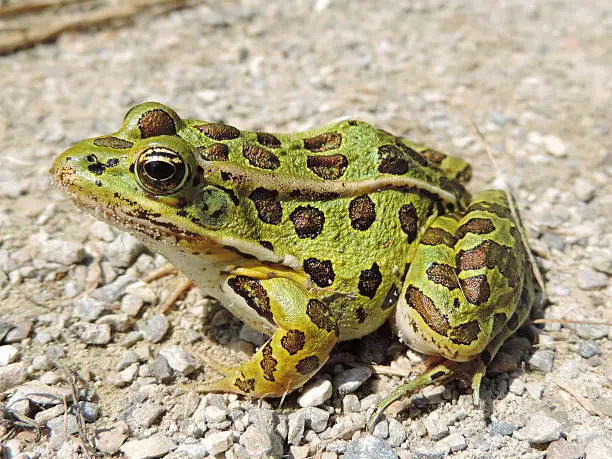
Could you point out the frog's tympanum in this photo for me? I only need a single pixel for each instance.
(314, 238)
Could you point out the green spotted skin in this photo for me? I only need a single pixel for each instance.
(312, 238)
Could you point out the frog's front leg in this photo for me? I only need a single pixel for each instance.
(306, 332)
(468, 288)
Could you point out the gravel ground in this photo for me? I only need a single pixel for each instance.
(106, 374)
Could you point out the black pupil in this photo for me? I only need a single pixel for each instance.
(159, 170)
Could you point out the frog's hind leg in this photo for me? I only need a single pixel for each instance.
(306, 332)
(468, 288)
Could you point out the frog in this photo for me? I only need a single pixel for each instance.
(314, 238)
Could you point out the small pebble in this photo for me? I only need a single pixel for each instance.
(155, 328)
(586, 331)
(90, 411)
(351, 404)
(369, 447)
(218, 442)
(563, 449)
(535, 389)
(42, 362)
(179, 359)
(555, 146)
(584, 190)
(132, 305)
(125, 376)
(542, 360)
(261, 442)
(157, 445)
(117, 322)
(8, 354)
(160, 369)
(144, 415)
(397, 433)
(456, 442)
(214, 414)
(350, 380)
(295, 427)
(88, 309)
(11, 375)
(517, 387)
(589, 279)
(91, 333)
(20, 331)
(48, 414)
(123, 250)
(436, 427)
(588, 348)
(62, 252)
(126, 359)
(315, 418)
(315, 393)
(539, 429)
(381, 429)
(64, 424)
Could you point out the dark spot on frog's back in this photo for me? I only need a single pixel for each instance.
(260, 157)
(361, 315)
(412, 154)
(214, 152)
(465, 333)
(320, 271)
(99, 168)
(392, 160)
(268, 140)
(112, 142)
(308, 221)
(369, 281)
(219, 131)
(293, 341)
(476, 226)
(427, 310)
(323, 142)
(268, 362)
(156, 122)
(434, 156)
(245, 385)
(476, 289)
(321, 316)
(409, 221)
(269, 210)
(307, 364)
(362, 212)
(391, 298)
(329, 167)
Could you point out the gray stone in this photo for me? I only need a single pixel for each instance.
(131, 338)
(88, 309)
(123, 250)
(370, 401)
(48, 414)
(109, 441)
(436, 427)
(542, 360)
(11, 375)
(299, 452)
(62, 252)
(155, 328)
(42, 362)
(369, 447)
(588, 348)
(64, 424)
(381, 429)
(214, 414)
(160, 369)
(157, 445)
(584, 190)
(261, 442)
(91, 333)
(539, 429)
(517, 387)
(132, 305)
(316, 418)
(563, 449)
(218, 442)
(20, 331)
(502, 427)
(295, 428)
(89, 410)
(125, 376)
(589, 279)
(351, 404)
(586, 331)
(397, 433)
(8, 354)
(555, 146)
(144, 415)
(350, 380)
(18, 404)
(455, 441)
(113, 291)
(315, 393)
(599, 448)
(126, 359)
(117, 322)
(179, 359)
(535, 389)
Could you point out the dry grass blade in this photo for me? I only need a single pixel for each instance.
(15, 10)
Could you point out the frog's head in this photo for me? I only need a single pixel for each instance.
(145, 179)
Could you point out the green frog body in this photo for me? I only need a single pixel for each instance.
(314, 238)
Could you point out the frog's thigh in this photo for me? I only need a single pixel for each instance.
(305, 334)
(464, 281)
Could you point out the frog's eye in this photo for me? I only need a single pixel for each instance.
(161, 170)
